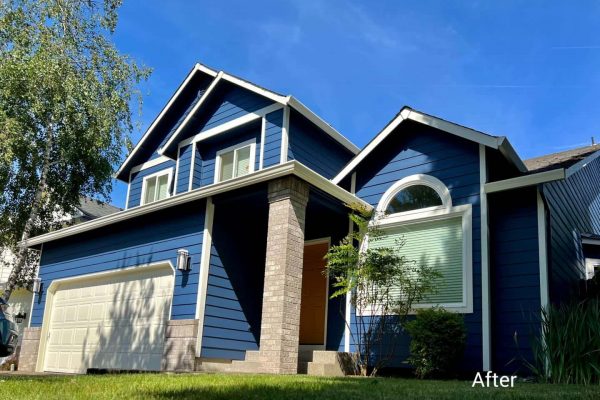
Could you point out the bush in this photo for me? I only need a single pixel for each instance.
(438, 340)
(568, 350)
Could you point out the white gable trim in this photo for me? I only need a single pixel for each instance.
(526, 180)
(197, 67)
(500, 143)
(192, 112)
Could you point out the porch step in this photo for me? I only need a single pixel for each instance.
(330, 363)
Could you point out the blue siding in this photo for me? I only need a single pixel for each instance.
(273, 129)
(235, 281)
(137, 179)
(208, 149)
(134, 242)
(515, 279)
(184, 169)
(417, 149)
(304, 140)
(574, 206)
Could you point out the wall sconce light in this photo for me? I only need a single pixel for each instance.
(20, 317)
(183, 260)
(37, 285)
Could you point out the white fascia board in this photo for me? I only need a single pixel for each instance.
(407, 113)
(197, 67)
(595, 242)
(509, 152)
(191, 114)
(267, 174)
(150, 164)
(256, 89)
(583, 163)
(318, 121)
(527, 180)
(371, 146)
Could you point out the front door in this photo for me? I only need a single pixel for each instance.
(313, 308)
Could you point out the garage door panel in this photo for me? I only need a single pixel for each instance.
(116, 322)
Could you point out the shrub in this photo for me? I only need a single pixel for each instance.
(438, 339)
(568, 351)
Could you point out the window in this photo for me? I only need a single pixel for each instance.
(156, 187)
(235, 161)
(592, 266)
(419, 211)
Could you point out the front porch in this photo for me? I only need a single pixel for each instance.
(267, 306)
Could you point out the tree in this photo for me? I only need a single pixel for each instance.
(383, 286)
(66, 97)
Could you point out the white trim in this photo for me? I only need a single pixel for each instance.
(263, 135)
(486, 326)
(457, 130)
(209, 216)
(526, 180)
(283, 156)
(128, 190)
(348, 313)
(197, 67)
(162, 172)
(255, 88)
(176, 179)
(44, 334)
(313, 242)
(192, 112)
(149, 164)
(595, 242)
(235, 123)
(192, 165)
(235, 148)
(543, 252)
(319, 122)
(583, 163)
(466, 214)
(33, 294)
(413, 180)
(289, 168)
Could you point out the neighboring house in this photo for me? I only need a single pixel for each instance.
(21, 299)
(236, 193)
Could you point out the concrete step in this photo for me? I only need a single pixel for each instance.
(319, 369)
(252, 355)
(325, 357)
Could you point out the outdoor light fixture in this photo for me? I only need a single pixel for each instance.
(183, 260)
(37, 285)
(20, 317)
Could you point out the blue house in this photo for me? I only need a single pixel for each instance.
(235, 195)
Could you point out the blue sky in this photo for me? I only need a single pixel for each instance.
(529, 70)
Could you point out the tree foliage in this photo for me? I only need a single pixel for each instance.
(66, 97)
(373, 275)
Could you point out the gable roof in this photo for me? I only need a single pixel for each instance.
(563, 159)
(500, 143)
(93, 208)
(219, 76)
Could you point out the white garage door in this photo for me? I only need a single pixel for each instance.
(114, 322)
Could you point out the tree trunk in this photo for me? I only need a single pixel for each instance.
(33, 216)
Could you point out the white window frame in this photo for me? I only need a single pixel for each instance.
(168, 171)
(590, 267)
(251, 163)
(428, 214)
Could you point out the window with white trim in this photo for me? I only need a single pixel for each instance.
(235, 161)
(419, 212)
(156, 186)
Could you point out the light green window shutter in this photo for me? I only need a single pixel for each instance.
(437, 244)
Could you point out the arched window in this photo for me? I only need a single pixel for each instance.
(419, 213)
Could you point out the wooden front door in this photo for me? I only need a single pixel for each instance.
(314, 294)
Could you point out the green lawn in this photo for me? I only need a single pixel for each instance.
(209, 386)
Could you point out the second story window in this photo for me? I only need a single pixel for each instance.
(156, 187)
(235, 161)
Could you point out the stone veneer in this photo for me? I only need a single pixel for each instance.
(280, 323)
(180, 345)
(29, 349)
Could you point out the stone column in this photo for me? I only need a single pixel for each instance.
(280, 324)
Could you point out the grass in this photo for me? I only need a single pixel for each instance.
(221, 387)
